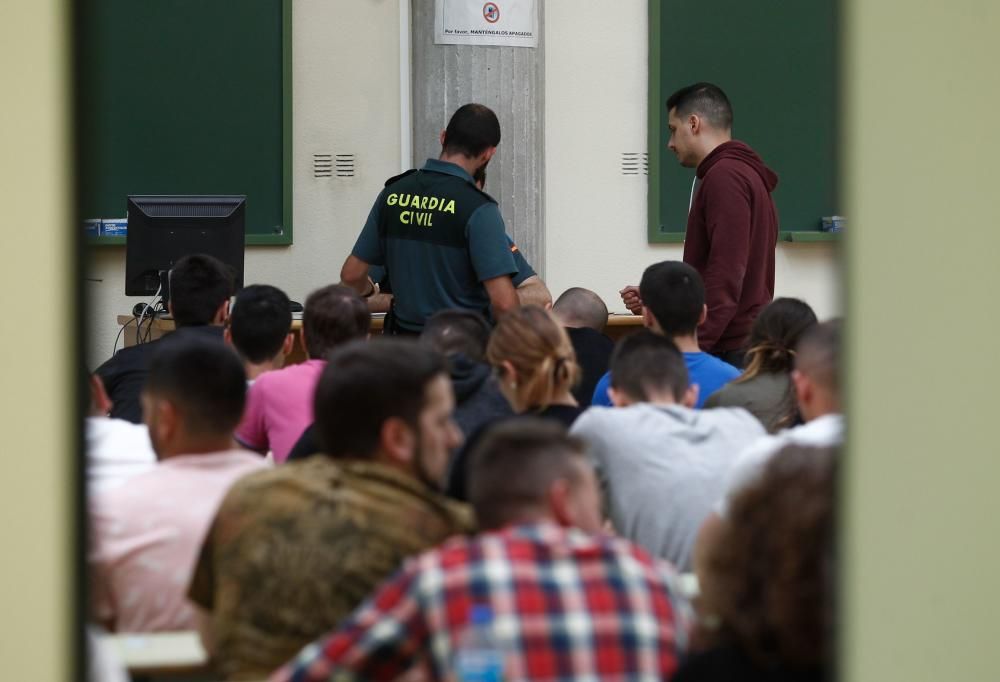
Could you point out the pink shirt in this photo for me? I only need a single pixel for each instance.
(279, 408)
(146, 535)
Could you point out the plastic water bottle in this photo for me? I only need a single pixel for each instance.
(478, 658)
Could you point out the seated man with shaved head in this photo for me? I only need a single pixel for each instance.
(584, 315)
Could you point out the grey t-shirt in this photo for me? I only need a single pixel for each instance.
(662, 467)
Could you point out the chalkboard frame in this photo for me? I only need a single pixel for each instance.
(285, 237)
(663, 231)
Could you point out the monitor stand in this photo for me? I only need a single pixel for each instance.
(164, 288)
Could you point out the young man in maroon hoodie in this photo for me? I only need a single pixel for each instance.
(732, 225)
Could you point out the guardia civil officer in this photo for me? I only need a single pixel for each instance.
(440, 238)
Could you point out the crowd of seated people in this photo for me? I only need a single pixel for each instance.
(356, 515)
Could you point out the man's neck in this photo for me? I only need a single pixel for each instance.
(255, 370)
(470, 166)
(711, 143)
(197, 446)
(686, 343)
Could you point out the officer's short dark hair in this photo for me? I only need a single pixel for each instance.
(333, 315)
(457, 331)
(473, 129)
(675, 295)
(706, 100)
(199, 284)
(203, 378)
(512, 468)
(260, 322)
(645, 363)
(364, 384)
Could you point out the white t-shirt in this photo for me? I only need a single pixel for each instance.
(116, 451)
(662, 468)
(823, 431)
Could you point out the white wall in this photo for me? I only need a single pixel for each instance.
(596, 108)
(346, 100)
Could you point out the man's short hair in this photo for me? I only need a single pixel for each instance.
(513, 466)
(645, 363)
(333, 316)
(473, 129)
(203, 378)
(817, 354)
(675, 296)
(457, 331)
(706, 100)
(366, 383)
(260, 322)
(579, 307)
(199, 284)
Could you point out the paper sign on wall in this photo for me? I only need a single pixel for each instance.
(510, 23)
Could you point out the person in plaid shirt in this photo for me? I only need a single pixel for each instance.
(569, 602)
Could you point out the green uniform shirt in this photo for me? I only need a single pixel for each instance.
(438, 237)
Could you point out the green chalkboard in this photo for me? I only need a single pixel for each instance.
(777, 62)
(187, 97)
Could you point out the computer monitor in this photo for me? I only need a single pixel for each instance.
(163, 229)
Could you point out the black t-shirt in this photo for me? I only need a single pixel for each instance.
(456, 486)
(306, 446)
(728, 663)
(124, 374)
(593, 353)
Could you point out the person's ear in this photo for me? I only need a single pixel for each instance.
(221, 313)
(618, 398)
(694, 123)
(704, 314)
(648, 321)
(227, 335)
(288, 345)
(560, 505)
(488, 154)
(99, 400)
(508, 373)
(166, 421)
(398, 440)
(441, 137)
(690, 398)
(803, 387)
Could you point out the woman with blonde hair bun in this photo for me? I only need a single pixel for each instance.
(535, 364)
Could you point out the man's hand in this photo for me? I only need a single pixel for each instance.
(630, 297)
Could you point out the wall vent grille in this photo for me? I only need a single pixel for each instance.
(322, 165)
(345, 165)
(635, 163)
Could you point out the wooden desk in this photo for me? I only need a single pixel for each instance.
(174, 654)
(618, 326)
(155, 328)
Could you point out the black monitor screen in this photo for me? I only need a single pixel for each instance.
(163, 229)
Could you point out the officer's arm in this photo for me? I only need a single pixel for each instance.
(533, 291)
(354, 274)
(503, 296)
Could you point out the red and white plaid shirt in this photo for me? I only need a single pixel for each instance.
(566, 606)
